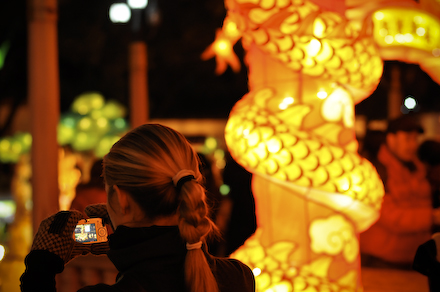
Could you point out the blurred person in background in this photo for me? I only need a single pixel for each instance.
(240, 205)
(427, 258)
(370, 146)
(407, 215)
(92, 192)
(429, 153)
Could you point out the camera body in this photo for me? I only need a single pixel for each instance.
(90, 231)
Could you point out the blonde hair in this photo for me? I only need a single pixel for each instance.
(143, 163)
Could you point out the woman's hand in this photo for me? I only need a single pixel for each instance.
(100, 211)
(55, 235)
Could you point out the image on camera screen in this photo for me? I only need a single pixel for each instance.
(85, 233)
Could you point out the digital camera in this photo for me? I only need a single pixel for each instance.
(90, 231)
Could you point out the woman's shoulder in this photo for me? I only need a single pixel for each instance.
(230, 263)
(126, 285)
(233, 275)
(98, 288)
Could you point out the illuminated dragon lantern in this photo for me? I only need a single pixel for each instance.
(309, 63)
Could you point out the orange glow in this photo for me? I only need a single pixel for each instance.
(68, 178)
(223, 47)
(294, 130)
(410, 34)
(223, 52)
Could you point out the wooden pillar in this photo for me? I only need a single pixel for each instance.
(139, 108)
(43, 96)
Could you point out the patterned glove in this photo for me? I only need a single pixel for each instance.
(99, 211)
(55, 235)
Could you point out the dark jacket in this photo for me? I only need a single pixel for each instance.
(149, 258)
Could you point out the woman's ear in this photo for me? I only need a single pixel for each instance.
(122, 198)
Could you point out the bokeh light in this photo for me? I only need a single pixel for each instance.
(224, 189)
(119, 13)
(90, 120)
(410, 102)
(2, 252)
(137, 4)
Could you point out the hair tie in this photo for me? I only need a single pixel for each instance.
(193, 246)
(182, 177)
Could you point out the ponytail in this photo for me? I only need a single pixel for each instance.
(194, 226)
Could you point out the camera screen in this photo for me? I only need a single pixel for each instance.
(85, 233)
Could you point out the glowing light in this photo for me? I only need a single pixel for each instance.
(85, 123)
(389, 39)
(219, 154)
(345, 186)
(282, 106)
(256, 271)
(420, 31)
(224, 189)
(418, 19)
(408, 37)
(436, 52)
(339, 106)
(319, 27)
(334, 235)
(231, 29)
(281, 287)
(211, 143)
(119, 13)
(231, 26)
(289, 100)
(137, 4)
(105, 144)
(16, 147)
(286, 102)
(322, 94)
(223, 47)
(220, 164)
(81, 137)
(65, 134)
(7, 209)
(314, 47)
(383, 32)
(2, 252)
(410, 102)
(379, 15)
(87, 102)
(102, 122)
(27, 138)
(85, 141)
(400, 38)
(120, 123)
(113, 110)
(68, 121)
(4, 145)
(96, 114)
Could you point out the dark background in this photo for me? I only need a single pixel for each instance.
(93, 56)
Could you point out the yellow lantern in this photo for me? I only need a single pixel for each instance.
(294, 131)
